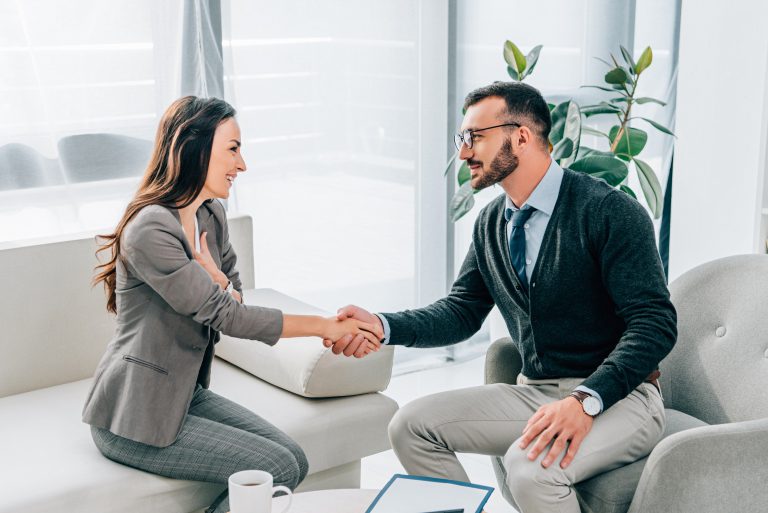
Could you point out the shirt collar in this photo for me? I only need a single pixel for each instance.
(544, 196)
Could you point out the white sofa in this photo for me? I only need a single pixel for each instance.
(55, 329)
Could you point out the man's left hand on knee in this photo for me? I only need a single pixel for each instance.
(557, 423)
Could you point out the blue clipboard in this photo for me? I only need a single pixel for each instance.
(487, 489)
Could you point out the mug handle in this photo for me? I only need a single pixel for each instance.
(287, 491)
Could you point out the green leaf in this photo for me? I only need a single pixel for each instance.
(464, 175)
(632, 140)
(462, 202)
(627, 190)
(617, 76)
(645, 60)
(628, 59)
(449, 165)
(651, 187)
(530, 60)
(610, 169)
(604, 62)
(563, 149)
(572, 131)
(592, 131)
(601, 108)
(586, 152)
(559, 115)
(512, 74)
(645, 99)
(657, 126)
(620, 99)
(602, 88)
(514, 57)
(551, 106)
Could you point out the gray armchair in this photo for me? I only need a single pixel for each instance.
(22, 167)
(714, 454)
(93, 157)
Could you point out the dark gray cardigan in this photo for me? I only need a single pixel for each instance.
(598, 306)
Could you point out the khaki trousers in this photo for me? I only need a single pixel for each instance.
(426, 434)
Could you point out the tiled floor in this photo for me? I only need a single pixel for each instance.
(379, 468)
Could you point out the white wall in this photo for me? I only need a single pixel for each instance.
(718, 187)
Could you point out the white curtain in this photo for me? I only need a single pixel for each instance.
(74, 68)
(328, 108)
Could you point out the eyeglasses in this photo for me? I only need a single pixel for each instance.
(465, 137)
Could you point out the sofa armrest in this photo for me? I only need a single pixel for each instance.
(707, 469)
(502, 362)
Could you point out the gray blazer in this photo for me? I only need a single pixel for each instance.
(169, 315)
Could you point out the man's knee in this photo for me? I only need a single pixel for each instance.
(407, 424)
(526, 479)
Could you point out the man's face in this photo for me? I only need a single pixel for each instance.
(492, 157)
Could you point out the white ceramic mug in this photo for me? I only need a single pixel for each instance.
(251, 491)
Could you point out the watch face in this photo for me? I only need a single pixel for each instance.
(591, 406)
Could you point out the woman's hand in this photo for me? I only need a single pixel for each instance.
(335, 329)
(205, 259)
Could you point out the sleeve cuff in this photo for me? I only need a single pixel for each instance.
(385, 324)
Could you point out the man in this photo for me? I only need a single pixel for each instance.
(572, 265)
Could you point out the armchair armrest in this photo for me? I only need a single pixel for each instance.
(502, 362)
(707, 469)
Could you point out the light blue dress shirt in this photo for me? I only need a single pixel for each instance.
(543, 199)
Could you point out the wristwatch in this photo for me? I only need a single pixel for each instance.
(590, 404)
(229, 288)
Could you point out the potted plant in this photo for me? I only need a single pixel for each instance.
(624, 142)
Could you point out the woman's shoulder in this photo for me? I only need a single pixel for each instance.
(153, 215)
(148, 219)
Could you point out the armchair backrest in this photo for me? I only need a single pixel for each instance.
(718, 370)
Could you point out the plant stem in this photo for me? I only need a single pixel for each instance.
(622, 128)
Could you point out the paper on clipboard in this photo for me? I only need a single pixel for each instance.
(418, 494)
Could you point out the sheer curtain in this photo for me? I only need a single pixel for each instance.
(328, 110)
(343, 120)
(73, 68)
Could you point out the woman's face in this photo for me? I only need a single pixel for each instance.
(226, 160)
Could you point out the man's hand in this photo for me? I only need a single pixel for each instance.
(562, 421)
(351, 345)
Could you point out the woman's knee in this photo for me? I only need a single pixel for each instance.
(287, 468)
(301, 461)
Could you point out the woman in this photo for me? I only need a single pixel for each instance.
(172, 282)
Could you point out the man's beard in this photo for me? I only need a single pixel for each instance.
(504, 163)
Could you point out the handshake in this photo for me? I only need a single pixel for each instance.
(354, 332)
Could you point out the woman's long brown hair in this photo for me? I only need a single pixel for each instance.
(175, 175)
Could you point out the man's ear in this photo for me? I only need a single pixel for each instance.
(525, 137)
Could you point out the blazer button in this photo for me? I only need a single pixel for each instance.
(517, 287)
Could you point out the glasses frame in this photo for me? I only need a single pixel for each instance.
(465, 137)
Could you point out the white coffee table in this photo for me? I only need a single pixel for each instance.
(327, 501)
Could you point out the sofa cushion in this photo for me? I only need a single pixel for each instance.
(56, 466)
(303, 365)
(612, 492)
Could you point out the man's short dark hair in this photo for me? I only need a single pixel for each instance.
(525, 105)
